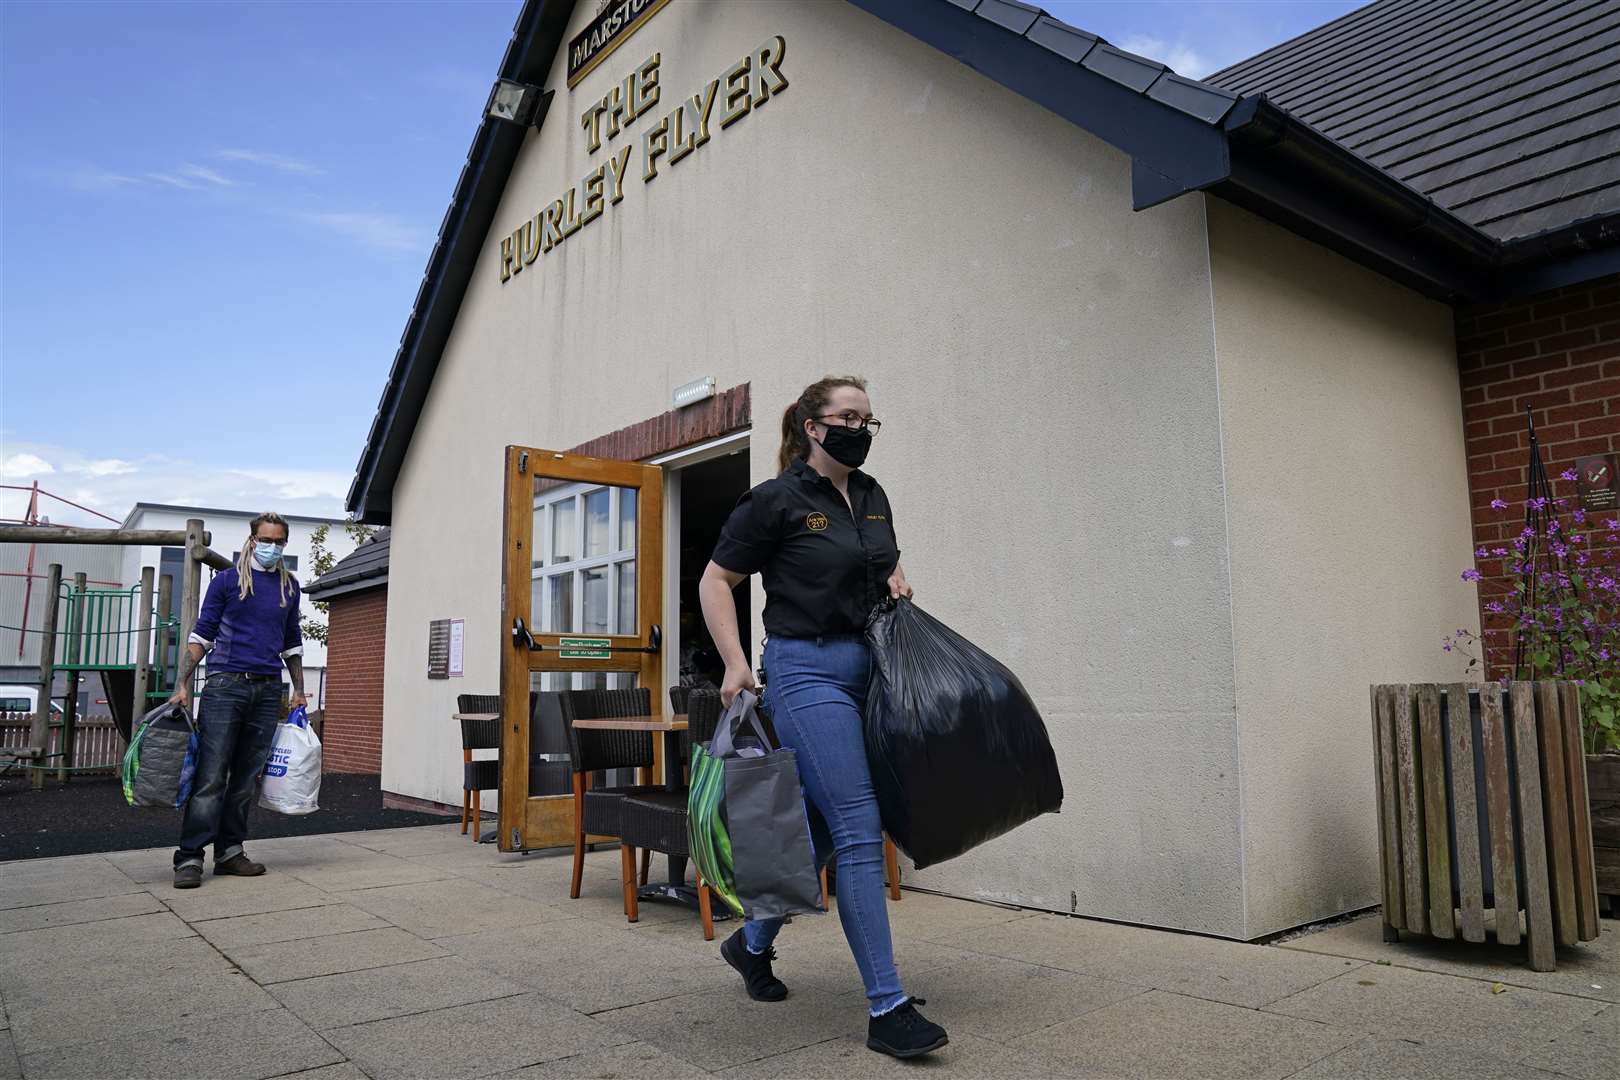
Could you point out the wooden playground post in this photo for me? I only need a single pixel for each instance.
(191, 583)
(70, 705)
(143, 651)
(165, 608)
(39, 735)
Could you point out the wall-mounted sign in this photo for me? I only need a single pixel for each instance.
(439, 649)
(617, 20)
(458, 642)
(584, 648)
(665, 141)
(1595, 477)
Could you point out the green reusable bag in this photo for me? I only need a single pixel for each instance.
(746, 820)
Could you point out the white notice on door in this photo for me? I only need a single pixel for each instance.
(458, 636)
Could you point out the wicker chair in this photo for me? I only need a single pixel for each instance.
(656, 820)
(478, 776)
(598, 811)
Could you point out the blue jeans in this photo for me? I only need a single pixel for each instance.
(238, 719)
(815, 690)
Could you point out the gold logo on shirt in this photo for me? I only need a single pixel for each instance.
(816, 522)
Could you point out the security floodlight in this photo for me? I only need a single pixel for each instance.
(518, 103)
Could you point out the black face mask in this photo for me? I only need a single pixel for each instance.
(847, 446)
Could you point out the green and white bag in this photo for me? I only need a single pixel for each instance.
(746, 820)
(161, 761)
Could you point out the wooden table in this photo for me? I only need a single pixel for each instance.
(674, 889)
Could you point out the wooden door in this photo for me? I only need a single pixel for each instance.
(581, 593)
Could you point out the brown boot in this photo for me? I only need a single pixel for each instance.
(239, 865)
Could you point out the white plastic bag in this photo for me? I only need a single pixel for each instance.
(291, 783)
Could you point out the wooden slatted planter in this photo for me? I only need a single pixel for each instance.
(1482, 805)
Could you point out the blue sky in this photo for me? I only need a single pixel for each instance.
(214, 220)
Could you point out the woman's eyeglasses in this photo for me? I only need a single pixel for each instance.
(854, 420)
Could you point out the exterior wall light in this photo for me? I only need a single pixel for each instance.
(694, 392)
(518, 103)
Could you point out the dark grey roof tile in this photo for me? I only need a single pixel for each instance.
(1061, 38)
(1206, 102)
(1127, 69)
(1011, 14)
(966, 5)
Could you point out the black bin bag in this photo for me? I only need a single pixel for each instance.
(958, 753)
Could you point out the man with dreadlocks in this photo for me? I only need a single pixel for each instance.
(249, 629)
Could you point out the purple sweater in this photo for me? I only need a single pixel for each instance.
(253, 634)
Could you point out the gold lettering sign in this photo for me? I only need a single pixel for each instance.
(666, 140)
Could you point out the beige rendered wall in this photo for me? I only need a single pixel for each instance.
(1042, 355)
(1347, 506)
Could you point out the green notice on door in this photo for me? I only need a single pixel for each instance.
(584, 648)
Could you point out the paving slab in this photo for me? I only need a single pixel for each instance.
(1386, 1059)
(1591, 969)
(248, 1047)
(1589, 1050)
(356, 997)
(722, 1028)
(1165, 1036)
(85, 943)
(633, 1059)
(71, 912)
(362, 869)
(31, 882)
(229, 897)
(1442, 1009)
(1229, 971)
(306, 958)
(591, 967)
(965, 1056)
(10, 1065)
(434, 909)
(422, 838)
(38, 980)
(825, 963)
(162, 1001)
(1005, 999)
(472, 1040)
(145, 866)
(291, 925)
(346, 1070)
(928, 916)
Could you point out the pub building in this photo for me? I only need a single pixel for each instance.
(1194, 392)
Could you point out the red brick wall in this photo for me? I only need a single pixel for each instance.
(355, 629)
(1557, 354)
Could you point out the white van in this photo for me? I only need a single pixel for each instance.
(23, 699)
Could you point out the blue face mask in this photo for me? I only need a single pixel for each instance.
(267, 554)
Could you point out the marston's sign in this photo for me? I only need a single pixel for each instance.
(617, 21)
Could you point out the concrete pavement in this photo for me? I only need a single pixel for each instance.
(416, 953)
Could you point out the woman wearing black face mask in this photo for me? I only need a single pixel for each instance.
(822, 536)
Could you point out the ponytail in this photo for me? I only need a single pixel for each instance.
(810, 404)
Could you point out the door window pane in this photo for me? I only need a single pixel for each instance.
(538, 540)
(597, 601)
(627, 519)
(537, 603)
(564, 530)
(597, 505)
(562, 604)
(627, 598)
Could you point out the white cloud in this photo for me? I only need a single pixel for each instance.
(24, 467)
(381, 231)
(1180, 58)
(171, 180)
(93, 178)
(112, 485)
(201, 172)
(274, 161)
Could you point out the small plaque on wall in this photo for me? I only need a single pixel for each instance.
(1595, 476)
(439, 649)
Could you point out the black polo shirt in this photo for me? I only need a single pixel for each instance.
(825, 563)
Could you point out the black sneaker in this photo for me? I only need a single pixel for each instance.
(904, 1032)
(188, 876)
(755, 968)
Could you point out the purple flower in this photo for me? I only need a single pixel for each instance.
(1567, 474)
(1498, 504)
(1471, 575)
(1481, 553)
(1494, 607)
